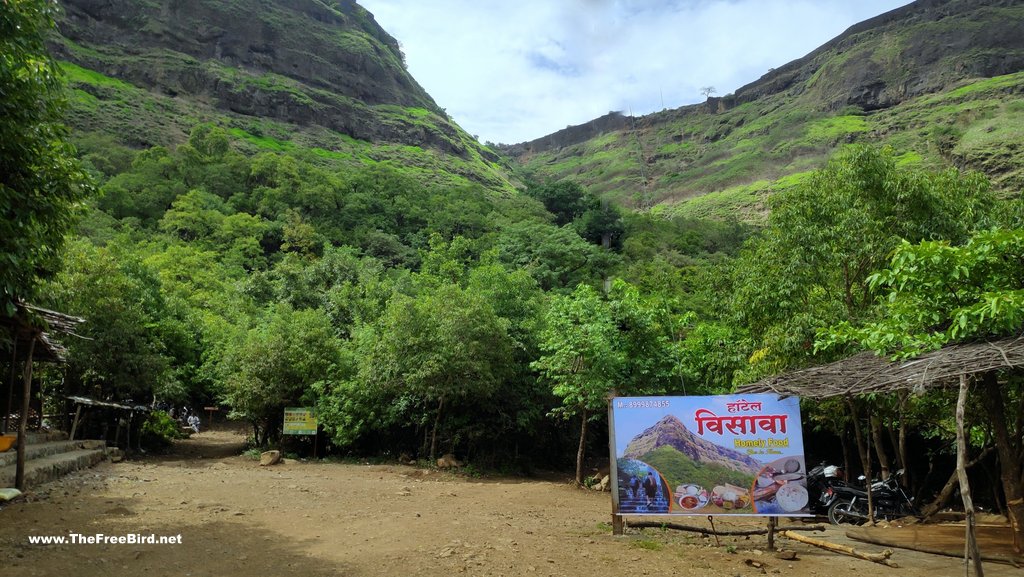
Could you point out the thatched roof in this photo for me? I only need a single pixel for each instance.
(23, 331)
(869, 373)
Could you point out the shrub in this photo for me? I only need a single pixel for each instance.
(159, 430)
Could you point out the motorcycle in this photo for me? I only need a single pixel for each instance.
(819, 480)
(849, 504)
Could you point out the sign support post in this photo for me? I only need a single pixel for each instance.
(613, 470)
(301, 421)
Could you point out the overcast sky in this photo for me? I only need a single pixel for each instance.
(512, 71)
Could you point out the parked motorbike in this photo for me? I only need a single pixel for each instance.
(849, 504)
(820, 479)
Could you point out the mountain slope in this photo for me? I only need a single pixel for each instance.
(671, 432)
(938, 79)
(278, 73)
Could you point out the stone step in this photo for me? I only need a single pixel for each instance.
(37, 437)
(48, 468)
(45, 449)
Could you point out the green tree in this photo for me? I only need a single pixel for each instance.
(432, 358)
(280, 362)
(567, 200)
(826, 236)
(581, 356)
(41, 183)
(131, 336)
(558, 258)
(935, 294)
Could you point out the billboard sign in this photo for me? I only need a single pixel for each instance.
(715, 455)
(299, 421)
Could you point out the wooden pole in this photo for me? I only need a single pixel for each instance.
(705, 531)
(882, 557)
(74, 424)
(772, 523)
(613, 469)
(19, 475)
(971, 550)
(10, 390)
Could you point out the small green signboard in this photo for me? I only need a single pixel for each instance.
(299, 421)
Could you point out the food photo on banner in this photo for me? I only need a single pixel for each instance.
(715, 455)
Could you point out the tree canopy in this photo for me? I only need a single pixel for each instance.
(41, 181)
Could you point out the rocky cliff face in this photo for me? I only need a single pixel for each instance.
(917, 49)
(307, 62)
(672, 432)
(909, 51)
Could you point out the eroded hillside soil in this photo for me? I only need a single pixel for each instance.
(311, 519)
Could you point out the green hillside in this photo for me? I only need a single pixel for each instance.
(678, 469)
(301, 75)
(940, 90)
(269, 212)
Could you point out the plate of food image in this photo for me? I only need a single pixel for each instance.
(730, 497)
(691, 496)
(792, 497)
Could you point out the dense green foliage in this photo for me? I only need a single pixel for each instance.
(935, 293)
(159, 431)
(40, 179)
(427, 319)
(423, 306)
(825, 236)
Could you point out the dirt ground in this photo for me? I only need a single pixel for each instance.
(309, 519)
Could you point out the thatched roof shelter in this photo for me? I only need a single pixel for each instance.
(951, 366)
(25, 332)
(868, 373)
(22, 330)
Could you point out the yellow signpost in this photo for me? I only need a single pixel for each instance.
(299, 421)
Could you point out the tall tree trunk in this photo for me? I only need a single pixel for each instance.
(902, 445)
(433, 433)
(864, 448)
(883, 455)
(1007, 446)
(580, 450)
(845, 443)
(946, 493)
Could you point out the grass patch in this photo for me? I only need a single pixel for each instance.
(78, 75)
(261, 142)
(828, 129)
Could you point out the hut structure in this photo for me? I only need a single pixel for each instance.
(27, 335)
(953, 365)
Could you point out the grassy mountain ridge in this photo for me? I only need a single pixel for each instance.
(278, 74)
(938, 80)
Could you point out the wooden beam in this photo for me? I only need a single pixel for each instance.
(734, 532)
(882, 557)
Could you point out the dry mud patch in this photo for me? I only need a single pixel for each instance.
(236, 518)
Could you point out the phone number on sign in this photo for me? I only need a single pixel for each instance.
(642, 404)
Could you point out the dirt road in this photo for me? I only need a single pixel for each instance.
(236, 518)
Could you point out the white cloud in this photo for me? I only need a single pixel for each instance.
(515, 71)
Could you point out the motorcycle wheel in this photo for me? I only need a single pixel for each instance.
(842, 511)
